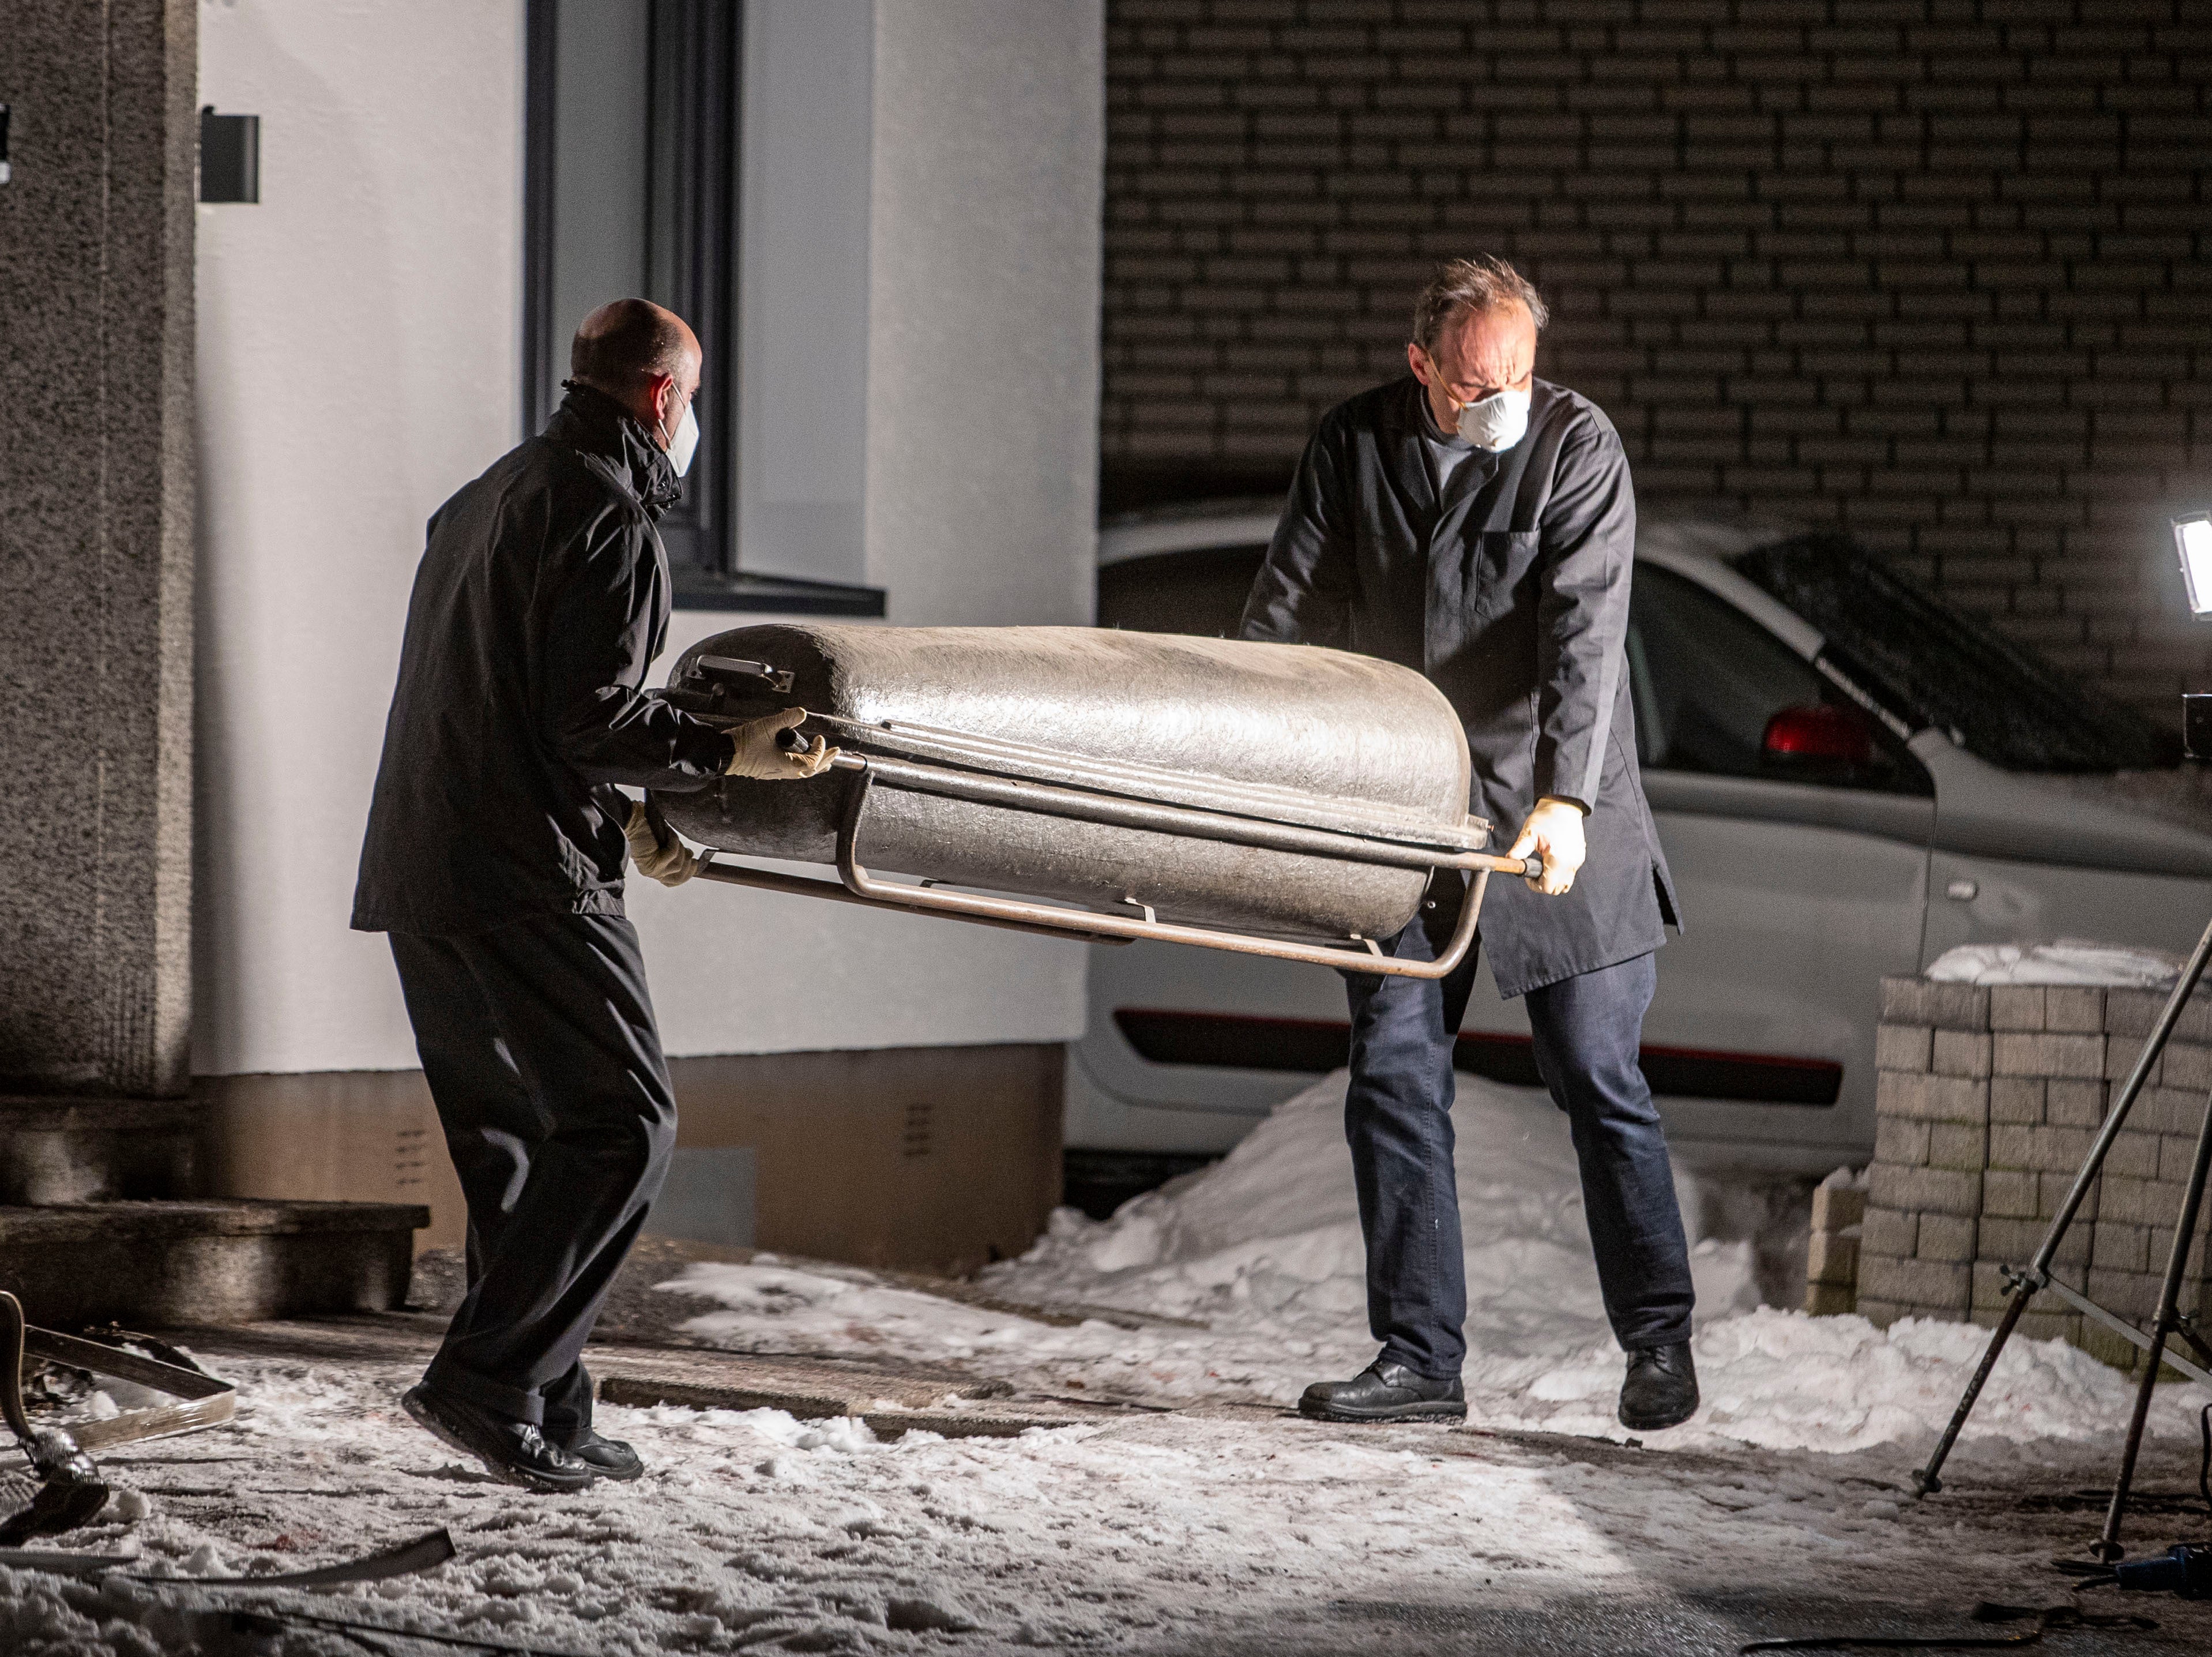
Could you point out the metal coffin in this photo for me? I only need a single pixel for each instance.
(1099, 767)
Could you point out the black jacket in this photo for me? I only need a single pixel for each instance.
(541, 600)
(1514, 602)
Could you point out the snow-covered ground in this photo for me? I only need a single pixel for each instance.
(1263, 1249)
(1781, 1510)
(1157, 1533)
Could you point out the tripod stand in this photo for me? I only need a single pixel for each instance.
(2170, 1320)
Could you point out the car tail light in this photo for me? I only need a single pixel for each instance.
(1820, 731)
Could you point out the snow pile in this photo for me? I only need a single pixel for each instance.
(1244, 1281)
(2069, 960)
(1269, 1239)
(1259, 1258)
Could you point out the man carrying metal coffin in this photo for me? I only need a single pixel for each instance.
(494, 858)
(1478, 525)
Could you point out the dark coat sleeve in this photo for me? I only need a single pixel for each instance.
(1587, 555)
(1303, 595)
(602, 627)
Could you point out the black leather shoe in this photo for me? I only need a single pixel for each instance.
(1385, 1392)
(610, 1458)
(513, 1452)
(1661, 1388)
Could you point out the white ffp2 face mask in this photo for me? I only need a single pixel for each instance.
(1498, 422)
(684, 443)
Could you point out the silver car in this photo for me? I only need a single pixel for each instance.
(1849, 779)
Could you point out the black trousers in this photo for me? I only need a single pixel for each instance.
(539, 1044)
(1397, 1117)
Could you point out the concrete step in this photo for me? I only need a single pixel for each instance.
(210, 1260)
(92, 1149)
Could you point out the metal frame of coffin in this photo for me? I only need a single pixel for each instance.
(1283, 860)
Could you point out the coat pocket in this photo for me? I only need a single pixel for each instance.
(1500, 563)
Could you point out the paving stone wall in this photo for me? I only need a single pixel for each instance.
(1989, 1100)
(1931, 270)
(1832, 1252)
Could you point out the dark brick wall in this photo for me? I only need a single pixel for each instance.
(1931, 269)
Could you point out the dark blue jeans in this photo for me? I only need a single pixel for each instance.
(1397, 1116)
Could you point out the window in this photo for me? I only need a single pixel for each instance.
(1929, 665)
(1715, 692)
(633, 110)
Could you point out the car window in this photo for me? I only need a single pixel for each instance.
(1931, 665)
(1200, 592)
(1715, 692)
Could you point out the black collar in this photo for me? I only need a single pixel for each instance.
(593, 424)
(1405, 425)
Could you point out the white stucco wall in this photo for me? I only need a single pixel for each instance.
(983, 310)
(359, 358)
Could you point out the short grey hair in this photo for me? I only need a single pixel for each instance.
(1477, 284)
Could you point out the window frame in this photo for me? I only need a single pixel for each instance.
(1907, 778)
(695, 97)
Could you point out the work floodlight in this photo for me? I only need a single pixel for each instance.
(2192, 539)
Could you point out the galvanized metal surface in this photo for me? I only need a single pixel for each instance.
(1154, 735)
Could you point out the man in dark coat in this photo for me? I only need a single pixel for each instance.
(1477, 524)
(494, 858)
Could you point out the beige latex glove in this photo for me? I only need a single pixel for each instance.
(760, 757)
(1554, 832)
(672, 864)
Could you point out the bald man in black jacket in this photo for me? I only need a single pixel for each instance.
(494, 858)
(1478, 525)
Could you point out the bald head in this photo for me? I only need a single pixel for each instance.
(622, 345)
(644, 356)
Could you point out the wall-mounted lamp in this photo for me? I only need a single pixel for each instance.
(230, 156)
(2192, 539)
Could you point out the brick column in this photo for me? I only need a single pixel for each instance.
(2045, 1103)
(2144, 1177)
(1931, 1143)
(1988, 1102)
(1832, 1256)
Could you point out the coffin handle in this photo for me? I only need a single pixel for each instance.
(1087, 926)
(801, 885)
